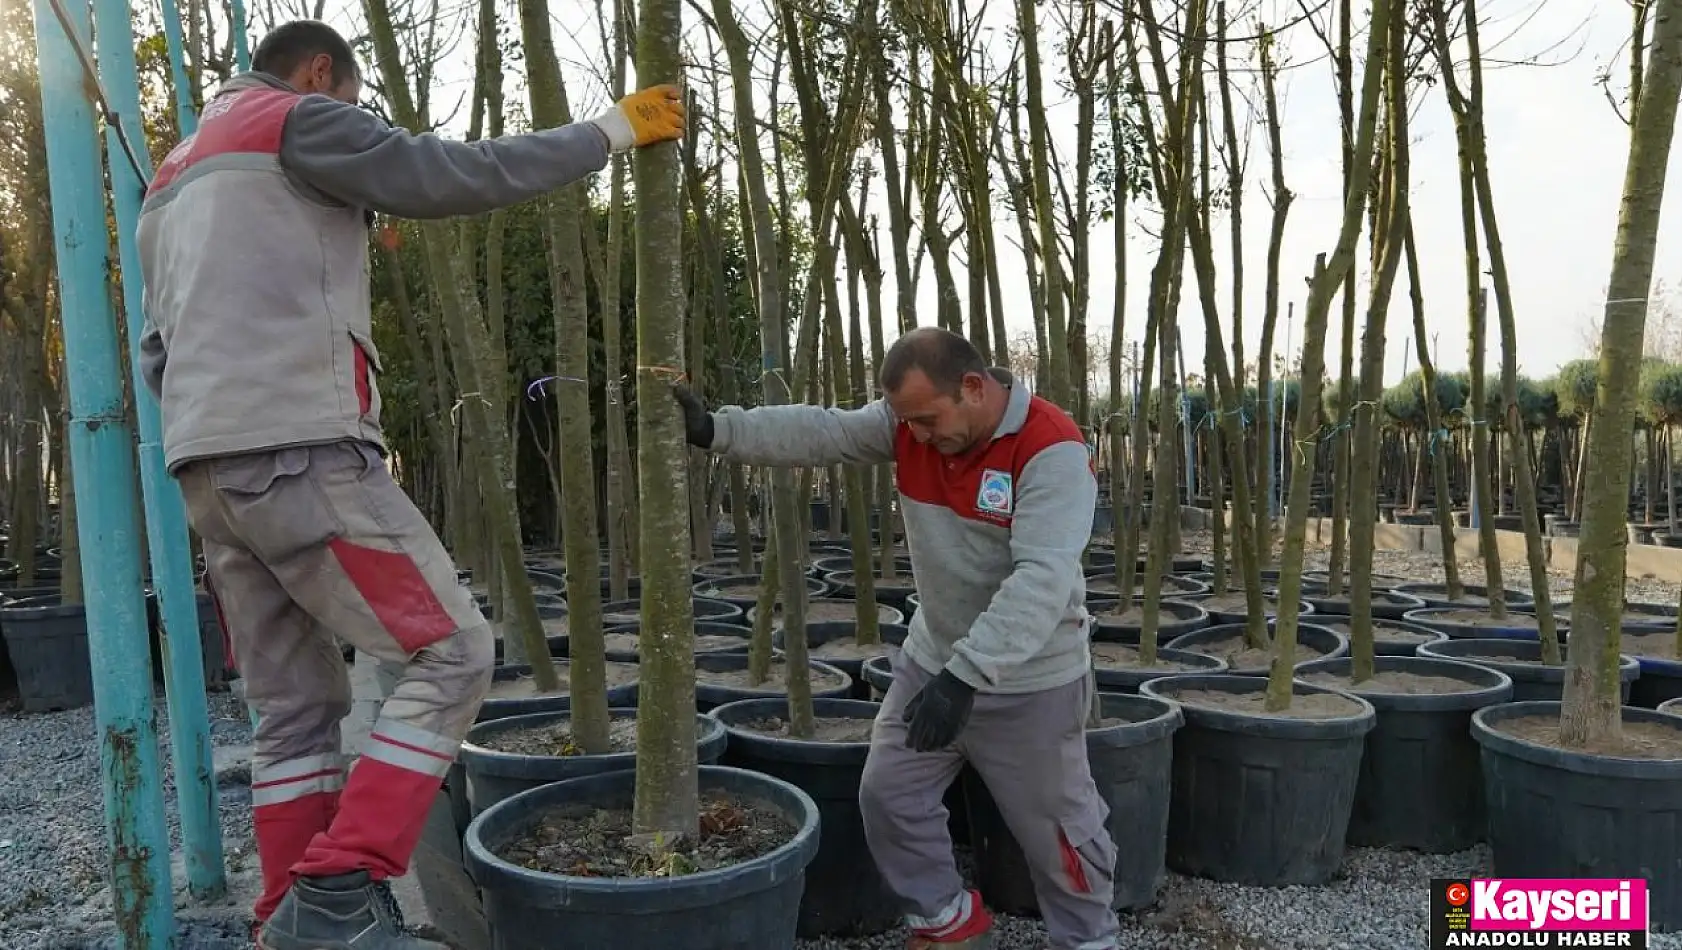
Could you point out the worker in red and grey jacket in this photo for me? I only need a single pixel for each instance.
(996, 487)
(253, 241)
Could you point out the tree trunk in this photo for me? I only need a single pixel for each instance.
(1590, 711)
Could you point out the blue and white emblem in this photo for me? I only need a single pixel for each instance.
(995, 496)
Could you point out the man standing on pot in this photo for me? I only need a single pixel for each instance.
(996, 487)
(254, 244)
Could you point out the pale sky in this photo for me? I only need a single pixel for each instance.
(1557, 152)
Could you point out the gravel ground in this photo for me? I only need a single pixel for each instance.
(53, 852)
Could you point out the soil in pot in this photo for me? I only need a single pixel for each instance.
(1117, 668)
(1609, 812)
(824, 679)
(1123, 623)
(1420, 786)
(1240, 657)
(556, 739)
(833, 611)
(600, 843)
(1172, 585)
(709, 638)
(523, 686)
(758, 834)
(1261, 798)
(844, 893)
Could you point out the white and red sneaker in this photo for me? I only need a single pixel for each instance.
(964, 925)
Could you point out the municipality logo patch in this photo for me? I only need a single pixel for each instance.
(995, 496)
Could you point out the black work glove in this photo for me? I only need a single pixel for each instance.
(697, 421)
(938, 712)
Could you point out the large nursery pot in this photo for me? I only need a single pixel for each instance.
(734, 589)
(1226, 616)
(451, 902)
(1131, 761)
(1316, 641)
(493, 775)
(827, 681)
(1260, 798)
(711, 636)
(1559, 813)
(1521, 660)
(1519, 625)
(848, 658)
(845, 893)
(1389, 637)
(1175, 618)
(1472, 595)
(752, 905)
(1420, 786)
(1386, 604)
(48, 645)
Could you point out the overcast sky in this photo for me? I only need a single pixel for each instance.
(1557, 153)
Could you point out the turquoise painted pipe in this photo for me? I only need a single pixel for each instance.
(166, 514)
(102, 465)
(186, 118)
(242, 54)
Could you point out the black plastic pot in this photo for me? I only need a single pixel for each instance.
(1436, 595)
(709, 697)
(1175, 618)
(1383, 645)
(1638, 617)
(713, 588)
(1219, 618)
(1328, 642)
(1436, 619)
(818, 634)
(493, 776)
(878, 673)
(753, 905)
(1521, 661)
(706, 609)
(1660, 682)
(845, 894)
(1555, 813)
(1260, 799)
(1386, 604)
(885, 612)
(1100, 586)
(893, 594)
(703, 628)
(618, 697)
(1127, 680)
(1132, 767)
(48, 645)
(1420, 786)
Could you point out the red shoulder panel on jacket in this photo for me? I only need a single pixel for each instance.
(250, 120)
(980, 487)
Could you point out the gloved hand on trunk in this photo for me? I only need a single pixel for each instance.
(697, 421)
(938, 712)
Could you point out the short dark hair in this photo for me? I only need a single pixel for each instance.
(291, 45)
(943, 356)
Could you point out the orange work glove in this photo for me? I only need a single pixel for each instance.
(644, 117)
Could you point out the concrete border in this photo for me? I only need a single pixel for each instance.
(1644, 561)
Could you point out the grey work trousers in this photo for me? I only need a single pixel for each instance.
(1030, 749)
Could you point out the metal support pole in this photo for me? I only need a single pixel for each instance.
(102, 466)
(185, 116)
(166, 514)
(242, 55)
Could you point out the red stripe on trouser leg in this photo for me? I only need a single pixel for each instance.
(284, 831)
(1073, 867)
(381, 816)
(228, 661)
(364, 395)
(397, 592)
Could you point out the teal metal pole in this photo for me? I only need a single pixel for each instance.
(242, 55)
(102, 463)
(186, 117)
(166, 513)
